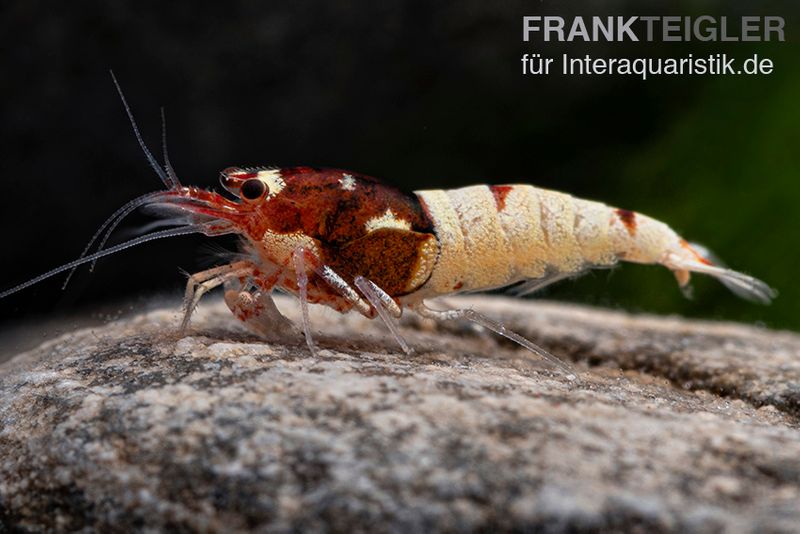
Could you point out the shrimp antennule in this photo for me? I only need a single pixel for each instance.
(167, 165)
(169, 179)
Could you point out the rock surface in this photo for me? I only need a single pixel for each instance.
(673, 425)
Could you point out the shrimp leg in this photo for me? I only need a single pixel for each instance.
(378, 298)
(384, 305)
(204, 281)
(498, 328)
(299, 263)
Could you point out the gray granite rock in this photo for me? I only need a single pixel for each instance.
(673, 425)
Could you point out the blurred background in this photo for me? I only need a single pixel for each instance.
(420, 94)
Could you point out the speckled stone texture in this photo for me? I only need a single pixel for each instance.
(673, 425)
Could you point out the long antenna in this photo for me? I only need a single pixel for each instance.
(183, 230)
(112, 221)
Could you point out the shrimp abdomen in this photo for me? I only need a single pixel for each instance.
(491, 236)
(494, 236)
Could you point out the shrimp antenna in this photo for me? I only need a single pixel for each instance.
(181, 230)
(111, 223)
(169, 180)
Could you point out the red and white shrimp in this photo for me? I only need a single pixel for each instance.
(347, 241)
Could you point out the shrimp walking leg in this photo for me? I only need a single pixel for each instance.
(341, 286)
(376, 299)
(299, 263)
(498, 328)
(204, 281)
(387, 308)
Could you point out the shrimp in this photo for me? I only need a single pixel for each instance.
(349, 242)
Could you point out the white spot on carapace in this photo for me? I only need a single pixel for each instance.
(347, 182)
(272, 177)
(387, 220)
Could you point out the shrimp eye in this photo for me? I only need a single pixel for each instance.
(253, 189)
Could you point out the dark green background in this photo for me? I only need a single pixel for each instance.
(421, 94)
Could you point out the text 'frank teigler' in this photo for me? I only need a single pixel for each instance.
(653, 28)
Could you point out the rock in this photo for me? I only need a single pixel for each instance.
(673, 425)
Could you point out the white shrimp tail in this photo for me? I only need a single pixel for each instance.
(742, 285)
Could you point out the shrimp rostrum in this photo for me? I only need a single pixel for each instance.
(349, 242)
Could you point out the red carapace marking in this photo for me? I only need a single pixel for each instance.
(628, 218)
(320, 204)
(458, 286)
(500, 193)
